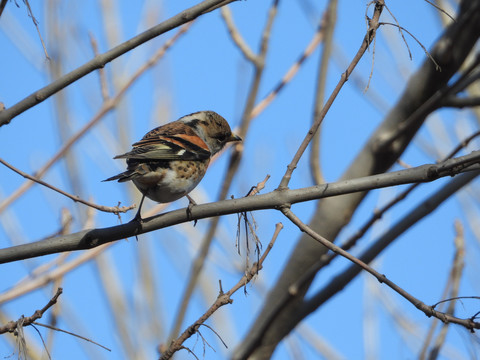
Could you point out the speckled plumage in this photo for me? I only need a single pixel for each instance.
(170, 160)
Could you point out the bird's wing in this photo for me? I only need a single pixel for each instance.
(178, 147)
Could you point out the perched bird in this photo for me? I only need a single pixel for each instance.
(171, 159)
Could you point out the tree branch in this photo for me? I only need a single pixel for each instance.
(277, 199)
(112, 209)
(361, 265)
(101, 60)
(222, 299)
(12, 326)
(337, 283)
(369, 36)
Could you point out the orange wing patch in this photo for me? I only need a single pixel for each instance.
(195, 140)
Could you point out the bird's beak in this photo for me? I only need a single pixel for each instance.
(234, 137)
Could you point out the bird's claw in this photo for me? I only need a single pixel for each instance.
(191, 204)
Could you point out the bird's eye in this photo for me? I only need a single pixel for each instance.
(221, 137)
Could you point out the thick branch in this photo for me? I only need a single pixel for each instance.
(88, 239)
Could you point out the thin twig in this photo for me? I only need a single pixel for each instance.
(216, 333)
(455, 298)
(112, 209)
(35, 22)
(427, 310)
(222, 299)
(236, 36)
(401, 32)
(73, 334)
(12, 326)
(440, 9)
(418, 42)
(373, 26)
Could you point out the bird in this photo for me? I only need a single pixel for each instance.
(170, 160)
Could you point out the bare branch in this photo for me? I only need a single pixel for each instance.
(222, 299)
(373, 26)
(101, 60)
(274, 200)
(428, 310)
(73, 334)
(237, 37)
(112, 209)
(12, 326)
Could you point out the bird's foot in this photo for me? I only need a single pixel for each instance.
(191, 204)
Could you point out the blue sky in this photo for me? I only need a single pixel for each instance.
(204, 70)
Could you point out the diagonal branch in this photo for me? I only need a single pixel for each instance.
(12, 326)
(338, 282)
(112, 209)
(361, 265)
(222, 299)
(101, 60)
(369, 36)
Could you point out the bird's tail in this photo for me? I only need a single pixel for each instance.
(122, 177)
